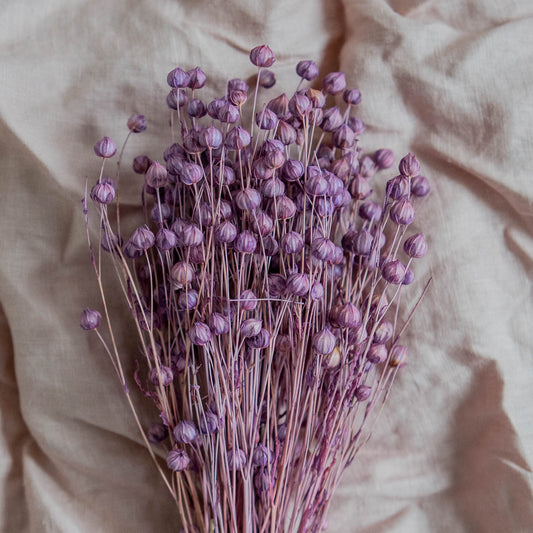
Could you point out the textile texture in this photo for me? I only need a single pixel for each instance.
(449, 81)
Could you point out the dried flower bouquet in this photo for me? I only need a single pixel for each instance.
(265, 289)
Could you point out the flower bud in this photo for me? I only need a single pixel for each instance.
(317, 291)
(225, 232)
(307, 70)
(182, 274)
(383, 332)
(383, 158)
(131, 251)
(90, 319)
(105, 148)
(324, 342)
(316, 185)
(409, 166)
(218, 324)
(267, 79)
(236, 459)
(356, 124)
(262, 56)
(141, 164)
(332, 119)
(279, 106)
(398, 356)
(276, 285)
(156, 175)
(286, 133)
(178, 460)
(262, 456)
(137, 123)
(161, 376)
(250, 327)
(298, 284)
(393, 272)
(245, 243)
(200, 334)
(103, 193)
(343, 137)
(299, 105)
(377, 353)
(402, 212)
(409, 277)
(197, 78)
(266, 119)
(370, 211)
(185, 432)
(176, 99)
(248, 199)
(283, 209)
(237, 138)
(260, 341)
(362, 393)
(352, 96)
(208, 423)
(178, 78)
(188, 300)
(398, 187)
(214, 107)
(348, 316)
(292, 170)
(228, 113)
(248, 300)
(323, 249)
(292, 242)
(334, 82)
(416, 246)
(165, 239)
(363, 242)
(272, 188)
(419, 186)
(270, 246)
(196, 108)
(316, 97)
(142, 238)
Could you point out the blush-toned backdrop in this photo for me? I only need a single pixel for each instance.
(448, 80)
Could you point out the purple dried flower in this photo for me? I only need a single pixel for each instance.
(267, 79)
(370, 211)
(161, 376)
(324, 342)
(197, 78)
(363, 242)
(316, 97)
(225, 232)
(292, 242)
(196, 108)
(334, 82)
(182, 274)
(178, 460)
(272, 188)
(286, 133)
(352, 96)
(237, 138)
(165, 239)
(228, 113)
(377, 353)
(292, 170)
(200, 334)
(299, 105)
(131, 251)
(276, 285)
(218, 324)
(398, 355)
(236, 459)
(409, 166)
(343, 137)
(250, 327)
(208, 423)
(105, 148)
(137, 123)
(317, 291)
(348, 316)
(316, 185)
(307, 70)
(323, 249)
(248, 300)
(191, 173)
(269, 246)
(157, 433)
(178, 78)
(283, 209)
(332, 119)
(248, 199)
(356, 124)
(187, 300)
(383, 332)
(185, 432)
(383, 158)
(262, 456)
(141, 164)
(176, 98)
(262, 56)
(398, 187)
(103, 193)
(362, 393)
(409, 277)
(402, 212)
(156, 175)
(142, 238)
(90, 319)
(260, 341)
(279, 106)
(237, 84)
(298, 284)
(416, 246)
(245, 243)
(393, 272)
(419, 186)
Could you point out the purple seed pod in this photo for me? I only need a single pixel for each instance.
(103, 193)
(370, 211)
(176, 99)
(362, 393)
(266, 119)
(348, 316)
(419, 186)
(367, 167)
(283, 209)
(286, 133)
(248, 300)
(357, 125)
(237, 97)
(214, 106)
(236, 459)
(90, 319)
(218, 324)
(191, 142)
(250, 327)
(332, 119)
(402, 212)
(416, 246)
(178, 78)
(141, 164)
(272, 188)
(276, 285)
(298, 284)
(196, 108)
(157, 433)
(237, 138)
(225, 232)
(223, 175)
(348, 241)
(237, 84)
(200, 334)
(398, 187)
(161, 212)
(260, 170)
(131, 251)
(137, 123)
(398, 356)
(324, 207)
(156, 175)
(262, 456)
(269, 246)
(383, 332)
(260, 341)
(248, 199)
(245, 243)
(185, 432)
(261, 224)
(316, 185)
(187, 300)
(279, 106)
(383, 158)
(142, 238)
(175, 164)
(228, 113)
(299, 105)
(197, 78)
(377, 353)
(352, 96)
(323, 249)
(335, 184)
(191, 173)
(292, 242)
(161, 376)
(363, 242)
(267, 79)
(165, 240)
(191, 236)
(317, 291)
(204, 215)
(292, 170)
(307, 70)
(393, 272)
(324, 342)
(334, 82)
(182, 274)
(262, 56)
(409, 166)
(274, 159)
(105, 148)
(225, 210)
(409, 277)
(178, 460)
(208, 423)
(316, 97)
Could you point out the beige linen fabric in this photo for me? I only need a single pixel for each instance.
(450, 81)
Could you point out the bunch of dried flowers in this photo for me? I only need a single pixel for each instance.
(264, 285)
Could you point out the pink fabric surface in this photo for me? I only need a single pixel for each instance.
(450, 81)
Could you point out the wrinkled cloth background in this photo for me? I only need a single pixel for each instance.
(449, 80)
